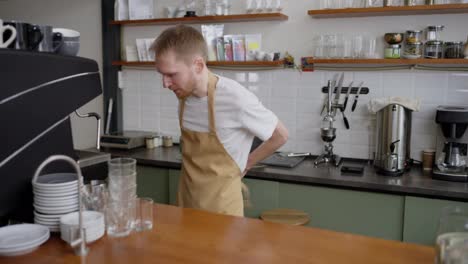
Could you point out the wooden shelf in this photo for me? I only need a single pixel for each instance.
(310, 60)
(279, 63)
(390, 11)
(204, 19)
(310, 64)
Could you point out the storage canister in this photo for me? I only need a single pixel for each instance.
(453, 50)
(413, 49)
(413, 36)
(433, 50)
(393, 51)
(167, 141)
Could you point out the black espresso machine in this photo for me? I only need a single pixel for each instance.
(38, 92)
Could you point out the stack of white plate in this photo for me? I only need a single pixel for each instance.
(54, 195)
(21, 239)
(93, 223)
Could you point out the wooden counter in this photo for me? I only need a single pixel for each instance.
(191, 236)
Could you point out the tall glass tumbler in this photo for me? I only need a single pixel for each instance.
(120, 217)
(122, 173)
(452, 230)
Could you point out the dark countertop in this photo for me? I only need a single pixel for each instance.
(414, 183)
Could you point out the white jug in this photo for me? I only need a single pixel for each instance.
(5, 43)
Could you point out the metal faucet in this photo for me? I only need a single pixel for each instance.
(98, 118)
(80, 243)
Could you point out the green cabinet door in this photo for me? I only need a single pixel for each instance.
(154, 183)
(263, 196)
(371, 214)
(173, 186)
(422, 217)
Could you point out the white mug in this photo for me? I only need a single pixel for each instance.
(5, 43)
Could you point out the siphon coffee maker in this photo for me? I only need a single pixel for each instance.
(327, 131)
(452, 142)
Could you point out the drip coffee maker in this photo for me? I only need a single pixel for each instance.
(452, 142)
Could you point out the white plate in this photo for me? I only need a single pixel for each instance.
(40, 200)
(56, 189)
(47, 216)
(65, 193)
(56, 210)
(22, 235)
(56, 180)
(25, 249)
(55, 204)
(56, 197)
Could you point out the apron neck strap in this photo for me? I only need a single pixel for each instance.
(212, 80)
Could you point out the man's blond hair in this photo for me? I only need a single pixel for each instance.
(185, 41)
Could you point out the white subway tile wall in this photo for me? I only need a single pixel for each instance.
(296, 99)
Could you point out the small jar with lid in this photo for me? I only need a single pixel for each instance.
(413, 36)
(149, 140)
(433, 33)
(413, 50)
(453, 50)
(433, 50)
(393, 51)
(167, 141)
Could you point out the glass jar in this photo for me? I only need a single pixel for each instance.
(433, 50)
(433, 33)
(453, 50)
(413, 49)
(167, 141)
(393, 51)
(413, 36)
(394, 3)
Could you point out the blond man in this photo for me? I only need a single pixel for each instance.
(218, 118)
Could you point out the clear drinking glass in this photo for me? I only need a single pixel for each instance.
(317, 46)
(144, 214)
(330, 46)
(326, 4)
(452, 230)
(357, 46)
(358, 3)
(347, 47)
(122, 166)
(120, 217)
(369, 48)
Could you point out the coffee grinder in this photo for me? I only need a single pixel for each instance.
(452, 142)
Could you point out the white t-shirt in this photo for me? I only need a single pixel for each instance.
(239, 116)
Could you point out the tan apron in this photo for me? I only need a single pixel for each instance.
(210, 178)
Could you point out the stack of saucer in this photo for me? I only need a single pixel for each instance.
(21, 239)
(54, 195)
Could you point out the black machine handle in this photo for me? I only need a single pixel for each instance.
(392, 146)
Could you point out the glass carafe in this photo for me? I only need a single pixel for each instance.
(451, 159)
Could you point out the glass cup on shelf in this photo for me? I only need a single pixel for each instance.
(374, 3)
(369, 48)
(326, 4)
(357, 46)
(451, 233)
(347, 47)
(358, 3)
(317, 46)
(330, 45)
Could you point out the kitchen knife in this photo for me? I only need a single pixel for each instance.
(350, 87)
(338, 89)
(357, 96)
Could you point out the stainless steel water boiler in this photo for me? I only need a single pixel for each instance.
(393, 140)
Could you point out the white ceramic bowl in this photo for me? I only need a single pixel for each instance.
(93, 223)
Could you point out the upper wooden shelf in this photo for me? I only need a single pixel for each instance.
(204, 19)
(279, 63)
(390, 11)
